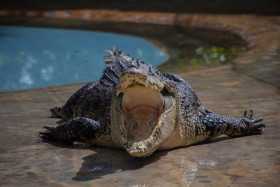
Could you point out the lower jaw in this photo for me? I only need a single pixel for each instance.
(142, 148)
(141, 153)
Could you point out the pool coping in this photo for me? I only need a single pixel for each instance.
(199, 21)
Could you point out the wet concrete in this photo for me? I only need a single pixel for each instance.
(250, 81)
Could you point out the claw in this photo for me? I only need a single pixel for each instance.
(259, 128)
(260, 125)
(250, 115)
(245, 113)
(48, 133)
(44, 135)
(49, 128)
(259, 131)
(257, 120)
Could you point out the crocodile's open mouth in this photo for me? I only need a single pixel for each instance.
(142, 107)
(145, 113)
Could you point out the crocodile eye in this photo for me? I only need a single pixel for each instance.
(165, 92)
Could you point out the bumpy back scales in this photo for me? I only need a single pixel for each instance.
(117, 63)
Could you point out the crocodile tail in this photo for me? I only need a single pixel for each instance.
(116, 56)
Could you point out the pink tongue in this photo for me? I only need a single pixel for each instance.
(140, 122)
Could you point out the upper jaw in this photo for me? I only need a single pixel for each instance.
(138, 77)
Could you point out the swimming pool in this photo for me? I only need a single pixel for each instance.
(41, 57)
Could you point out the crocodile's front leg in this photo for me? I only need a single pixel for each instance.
(77, 131)
(217, 125)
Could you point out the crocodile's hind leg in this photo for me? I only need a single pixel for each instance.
(79, 129)
(217, 125)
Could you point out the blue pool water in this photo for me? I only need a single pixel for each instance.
(40, 57)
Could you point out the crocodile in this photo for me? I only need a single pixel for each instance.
(135, 107)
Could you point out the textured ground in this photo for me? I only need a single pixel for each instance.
(250, 81)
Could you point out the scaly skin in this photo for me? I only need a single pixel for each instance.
(135, 107)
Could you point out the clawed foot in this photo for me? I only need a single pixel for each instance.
(48, 134)
(51, 134)
(254, 126)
